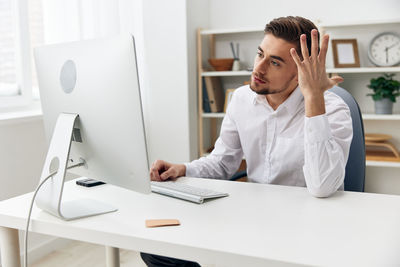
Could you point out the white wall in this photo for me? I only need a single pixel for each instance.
(168, 88)
(196, 17)
(256, 13)
(165, 90)
(162, 42)
(21, 156)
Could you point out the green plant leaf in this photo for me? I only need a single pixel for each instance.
(376, 97)
(384, 87)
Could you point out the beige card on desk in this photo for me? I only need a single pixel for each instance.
(163, 222)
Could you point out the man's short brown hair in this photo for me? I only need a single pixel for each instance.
(290, 28)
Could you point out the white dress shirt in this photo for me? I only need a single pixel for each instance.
(281, 146)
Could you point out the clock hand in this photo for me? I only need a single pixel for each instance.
(393, 45)
(387, 54)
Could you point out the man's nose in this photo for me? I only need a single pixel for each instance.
(261, 67)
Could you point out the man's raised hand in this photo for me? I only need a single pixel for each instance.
(311, 70)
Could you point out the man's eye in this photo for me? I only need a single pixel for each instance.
(274, 63)
(259, 54)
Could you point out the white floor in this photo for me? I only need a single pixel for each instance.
(80, 254)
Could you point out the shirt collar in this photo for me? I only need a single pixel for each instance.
(291, 103)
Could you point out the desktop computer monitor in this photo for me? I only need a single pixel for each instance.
(92, 113)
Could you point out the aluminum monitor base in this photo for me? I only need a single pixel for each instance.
(49, 197)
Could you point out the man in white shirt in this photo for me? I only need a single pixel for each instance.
(289, 128)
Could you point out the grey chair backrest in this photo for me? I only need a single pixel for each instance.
(355, 168)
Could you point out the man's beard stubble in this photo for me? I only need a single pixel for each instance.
(267, 90)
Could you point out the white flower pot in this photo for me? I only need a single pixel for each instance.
(383, 106)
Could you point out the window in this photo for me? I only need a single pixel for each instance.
(25, 24)
(8, 79)
(21, 28)
(37, 38)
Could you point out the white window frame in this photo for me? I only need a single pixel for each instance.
(22, 58)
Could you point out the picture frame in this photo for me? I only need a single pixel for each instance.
(228, 97)
(345, 53)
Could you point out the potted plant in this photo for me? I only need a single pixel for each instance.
(385, 92)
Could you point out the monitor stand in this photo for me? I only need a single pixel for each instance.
(49, 197)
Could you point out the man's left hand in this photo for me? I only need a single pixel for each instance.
(312, 77)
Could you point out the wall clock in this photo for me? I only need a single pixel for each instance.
(384, 49)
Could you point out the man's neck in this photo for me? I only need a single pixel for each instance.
(275, 100)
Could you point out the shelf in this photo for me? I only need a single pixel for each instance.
(388, 117)
(328, 70)
(226, 73)
(324, 25)
(372, 117)
(213, 115)
(363, 70)
(359, 23)
(230, 31)
(372, 163)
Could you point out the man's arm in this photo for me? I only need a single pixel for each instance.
(222, 163)
(326, 144)
(327, 140)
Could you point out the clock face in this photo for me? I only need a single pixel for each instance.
(384, 49)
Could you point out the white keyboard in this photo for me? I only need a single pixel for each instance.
(184, 191)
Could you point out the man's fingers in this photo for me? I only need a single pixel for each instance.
(154, 175)
(162, 170)
(304, 48)
(324, 49)
(295, 57)
(155, 169)
(314, 43)
(167, 174)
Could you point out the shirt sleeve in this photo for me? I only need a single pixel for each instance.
(327, 140)
(227, 155)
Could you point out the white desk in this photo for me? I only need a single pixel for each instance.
(257, 225)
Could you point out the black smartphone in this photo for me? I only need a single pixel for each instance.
(88, 182)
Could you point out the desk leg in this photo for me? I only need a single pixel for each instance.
(112, 257)
(9, 244)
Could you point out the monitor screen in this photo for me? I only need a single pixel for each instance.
(98, 80)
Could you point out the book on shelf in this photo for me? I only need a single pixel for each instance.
(215, 93)
(206, 101)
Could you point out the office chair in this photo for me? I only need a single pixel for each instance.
(355, 167)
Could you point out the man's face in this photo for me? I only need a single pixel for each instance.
(274, 69)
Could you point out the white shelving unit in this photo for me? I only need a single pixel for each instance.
(392, 117)
(373, 163)
(225, 73)
(363, 70)
(230, 31)
(213, 115)
(366, 117)
(359, 23)
(351, 73)
(210, 36)
(328, 70)
(381, 176)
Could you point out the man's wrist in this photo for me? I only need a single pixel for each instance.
(313, 95)
(182, 170)
(314, 104)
